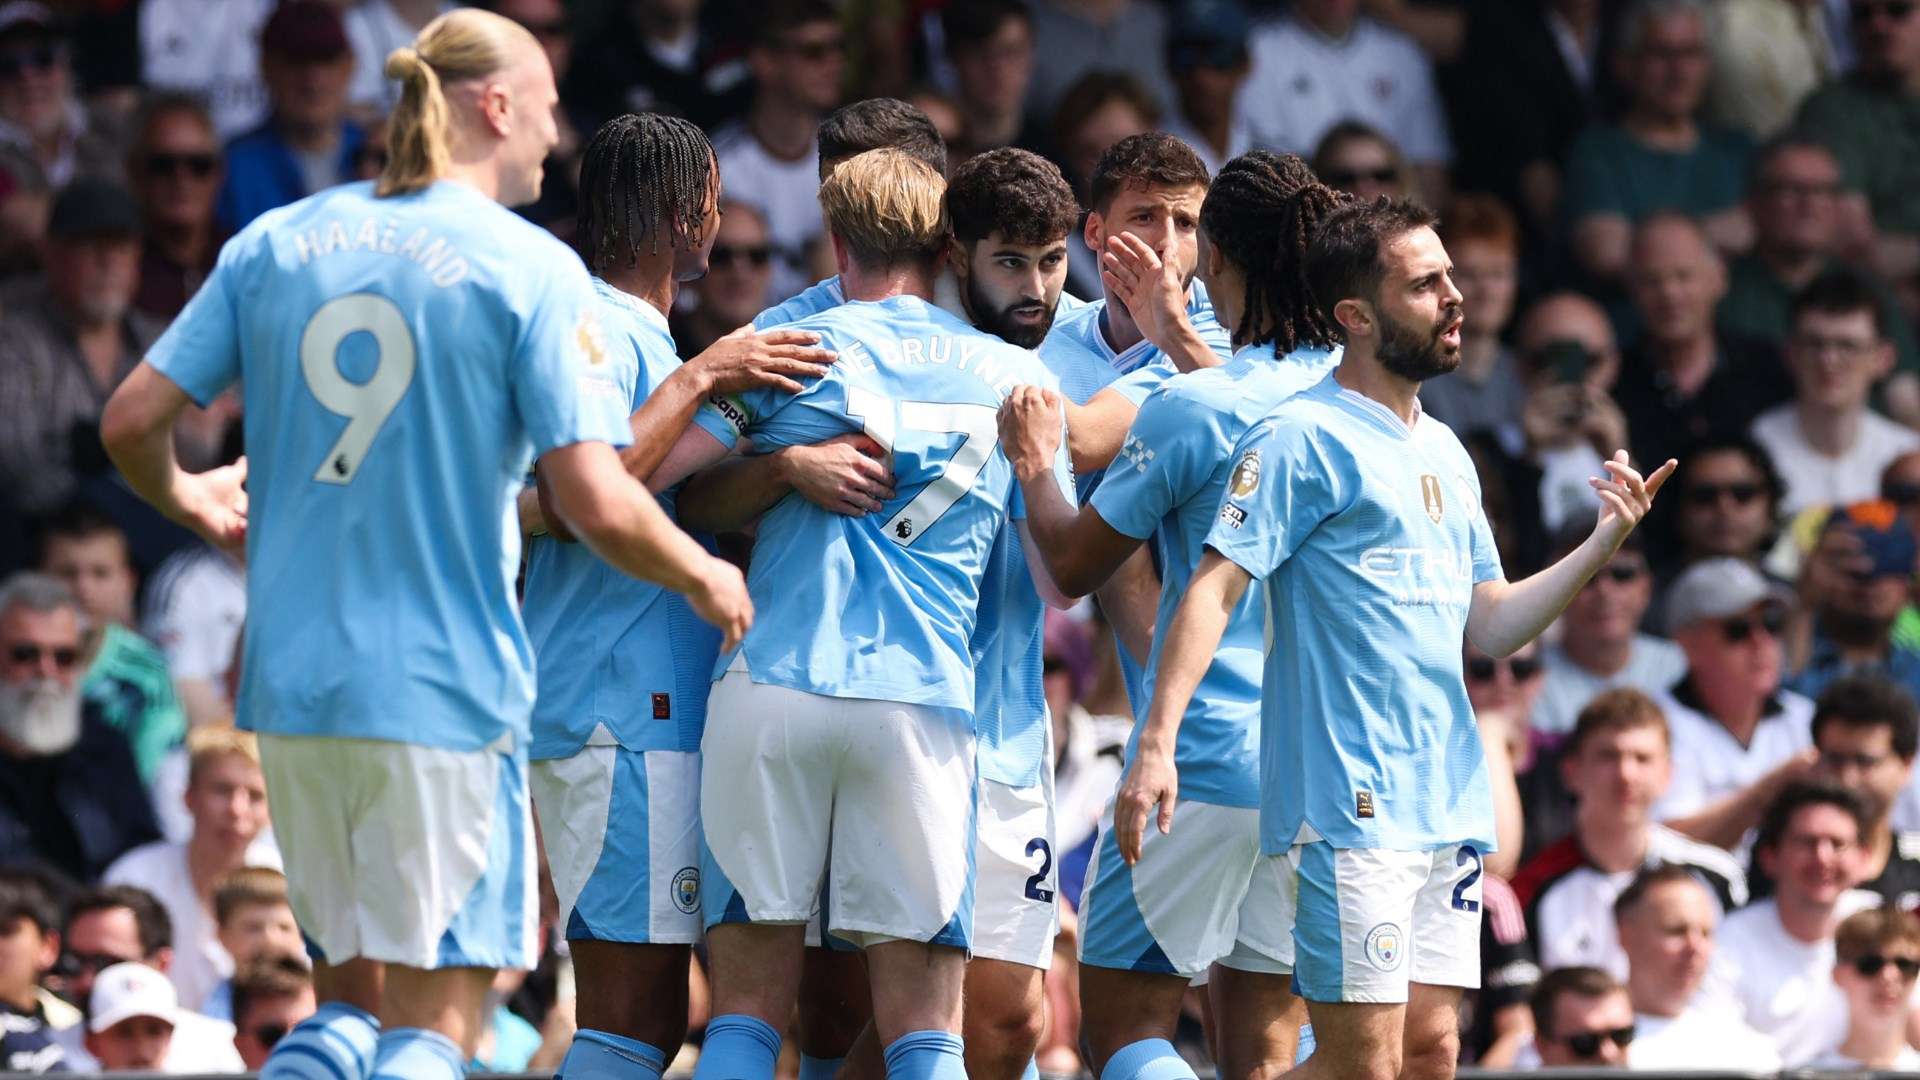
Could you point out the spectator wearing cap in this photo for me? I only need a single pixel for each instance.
(1658, 157)
(1081, 36)
(1774, 966)
(1852, 589)
(307, 143)
(1485, 392)
(1324, 62)
(1668, 921)
(1600, 646)
(130, 1019)
(70, 794)
(1864, 728)
(1795, 199)
(176, 170)
(39, 111)
(1861, 117)
(1829, 445)
(1582, 1019)
(66, 341)
(1207, 58)
(1876, 963)
(1736, 736)
(1616, 764)
(29, 943)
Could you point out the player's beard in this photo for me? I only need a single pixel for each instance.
(41, 715)
(1417, 355)
(1000, 321)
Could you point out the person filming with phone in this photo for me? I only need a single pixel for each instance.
(1568, 362)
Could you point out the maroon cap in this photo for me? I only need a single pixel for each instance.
(305, 30)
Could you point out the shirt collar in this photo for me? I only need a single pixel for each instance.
(649, 314)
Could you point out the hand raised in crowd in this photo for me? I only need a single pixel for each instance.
(847, 475)
(1557, 416)
(1838, 559)
(745, 360)
(1030, 429)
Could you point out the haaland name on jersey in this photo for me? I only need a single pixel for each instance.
(442, 262)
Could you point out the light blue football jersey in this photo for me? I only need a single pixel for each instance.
(828, 294)
(1076, 350)
(1167, 484)
(403, 362)
(1369, 538)
(622, 662)
(883, 606)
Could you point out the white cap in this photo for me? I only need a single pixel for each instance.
(1717, 589)
(130, 989)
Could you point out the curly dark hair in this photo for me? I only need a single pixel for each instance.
(877, 122)
(640, 173)
(1778, 817)
(1152, 159)
(1262, 212)
(1015, 192)
(1343, 259)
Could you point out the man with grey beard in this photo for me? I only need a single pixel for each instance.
(69, 792)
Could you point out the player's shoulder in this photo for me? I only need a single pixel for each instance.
(815, 298)
(1071, 328)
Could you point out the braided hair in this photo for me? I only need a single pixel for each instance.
(643, 176)
(1261, 212)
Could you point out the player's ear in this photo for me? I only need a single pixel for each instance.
(959, 257)
(496, 108)
(1355, 316)
(1090, 231)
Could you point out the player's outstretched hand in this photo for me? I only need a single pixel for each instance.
(1148, 282)
(1030, 430)
(846, 475)
(1151, 781)
(214, 504)
(745, 360)
(721, 599)
(1625, 498)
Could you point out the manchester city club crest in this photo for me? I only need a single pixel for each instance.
(686, 889)
(1385, 943)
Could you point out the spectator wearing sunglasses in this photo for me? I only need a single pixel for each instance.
(734, 289)
(1600, 645)
(176, 171)
(271, 994)
(1582, 1019)
(1668, 923)
(1827, 443)
(29, 943)
(1853, 116)
(1616, 765)
(1359, 160)
(70, 794)
(1774, 964)
(1876, 962)
(1726, 507)
(1502, 692)
(1737, 738)
(39, 112)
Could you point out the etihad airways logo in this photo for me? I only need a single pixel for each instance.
(1420, 576)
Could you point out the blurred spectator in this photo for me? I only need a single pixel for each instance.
(126, 676)
(1582, 1018)
(1737, 737)
(374, 29)
(1857, 117)
(1876, 961)
(117, 925)
(69, 791)
(1725, 504)
(1666, 920)
(29, 944)
(1324, 62)
(209, 49)
(131, 1015)
(1658, 157)
(734, 289)
(1086, 747)
(1100, 110)
(1357, 159)
(1484, 393)
(1774, 966)
(255, 921)
(945, 114)
(1864, 729)
(270, 995)
(1852, 589)
(1494, 1019)
(40, 112)
(66, 341)
(175, 168)
(26, 200)
(1502, 691)
(650, 56)
(307, 143)
(227, 797)
(559, 200)
(769, 160)
(1827, 444)
(1600, 646)
(507, 1042)
(990, 44)
(1080, 36)
(1900, 485)
(1617, 764)
(1569, 420)
(195, 605)
(1795, 203)
(1767, 56)
(1207, 58)
(1686, 382)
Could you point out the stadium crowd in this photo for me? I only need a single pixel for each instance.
(1687, 227)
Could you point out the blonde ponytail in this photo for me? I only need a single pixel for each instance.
(461, 45)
